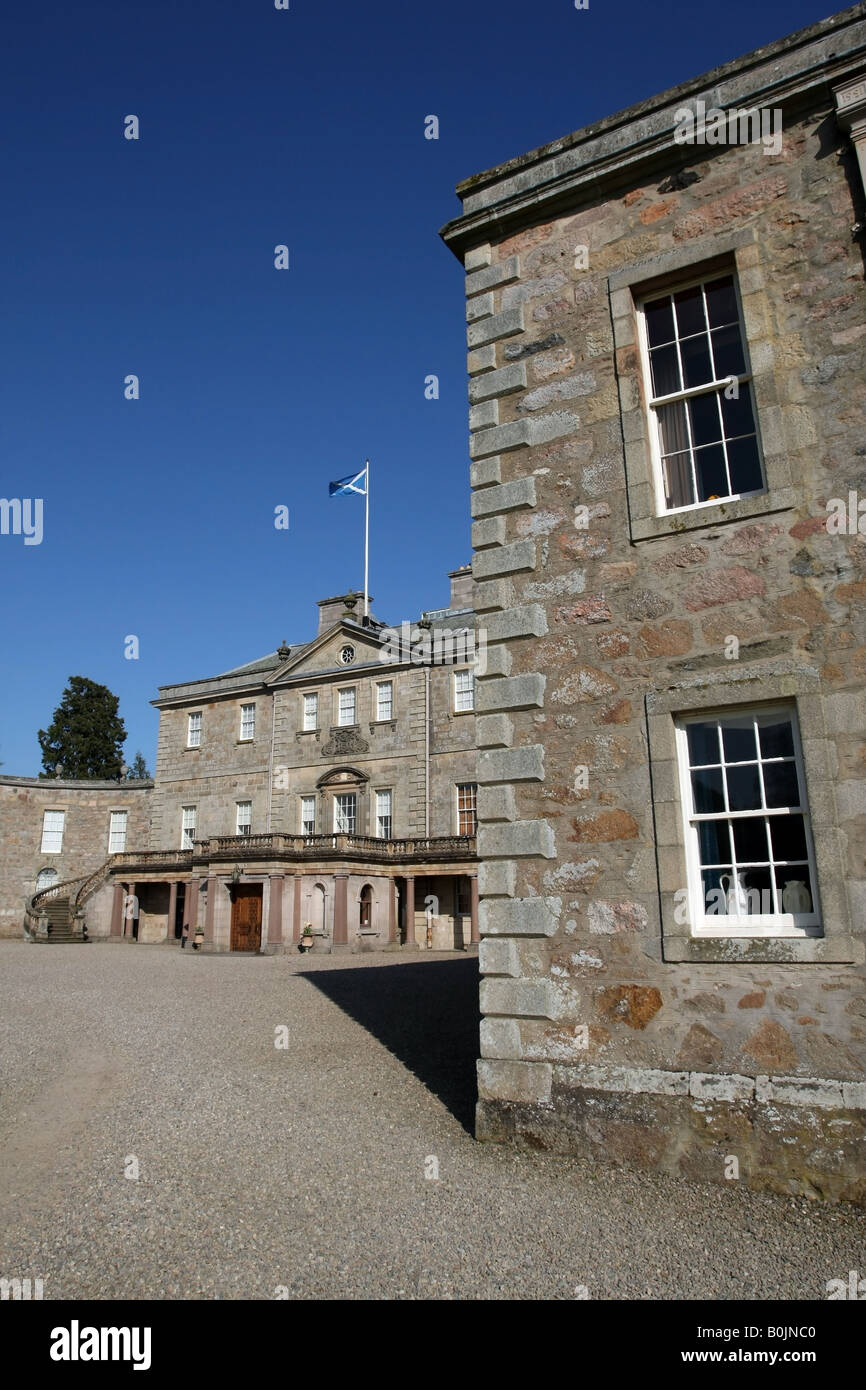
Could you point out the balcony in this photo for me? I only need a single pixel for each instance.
(364, 849)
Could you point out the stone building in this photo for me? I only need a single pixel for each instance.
(330, 783)
(666, 327)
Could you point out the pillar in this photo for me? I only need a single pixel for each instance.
(172, 910)
(190, 905)
(209, 912)
(117, 910)
(410, 913)
(275, 912)
(341, 903)
(297, 925)
(475, 935)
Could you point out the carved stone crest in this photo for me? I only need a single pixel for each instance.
(344, 741)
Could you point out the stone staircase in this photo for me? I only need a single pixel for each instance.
(62, 930)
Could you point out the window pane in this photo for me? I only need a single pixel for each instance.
(737, 414)
(695, 354)
(679, 486)
(744, 788)
(672, 426)
(788, 836)
(759, 890)
(750, 840)
(728, 352)
(744, 465)
(706, 422)
(738, 741)
(714, 841)
(710, 469)
(714, 895)
(721, 301)
(665, 371)
(780, 783)
(777, 738)
(659, 321)
(703, 744)
(690, 311)
(707, 791)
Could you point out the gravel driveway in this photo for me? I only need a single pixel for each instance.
(302, 1168)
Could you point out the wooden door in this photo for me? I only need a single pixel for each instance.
(247, 917)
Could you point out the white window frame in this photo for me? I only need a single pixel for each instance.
(381, 817)
(193, 732)
(763, 925)
(473, 787)
(117, 832)
(384, 706)
(347, 690)
(248, 721)
(461, 706)
(345, 796)
(188, 823)
(306, 802)
(651, 402)
(310, 711)
(52, 832)
(243, 822)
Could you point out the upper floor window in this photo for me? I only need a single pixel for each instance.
(311, 712)
(346, 706)
(467, 818)
(187, 827)
(345, 813)
(193, 730)
(384, 814)
(308, 815)
(248, 722)
(384, 699)
(52, 831)
(699, 396)
(749, 850)
(117, 832)
(464, 691)
(244, 817)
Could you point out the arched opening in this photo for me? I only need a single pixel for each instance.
(46, 878)
(317, 908)
(366, 908)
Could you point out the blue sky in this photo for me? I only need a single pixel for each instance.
(260, 127)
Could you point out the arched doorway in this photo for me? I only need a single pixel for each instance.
(317, 908)
(46, 878)
(365, 919)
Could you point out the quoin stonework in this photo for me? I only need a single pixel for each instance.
(326, 790)
(666, 362)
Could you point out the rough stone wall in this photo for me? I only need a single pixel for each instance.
(88, 808)
(594, 1038)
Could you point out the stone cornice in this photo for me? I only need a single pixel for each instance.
(625, 147)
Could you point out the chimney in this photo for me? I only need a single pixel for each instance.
(331, 610)
(461, 587)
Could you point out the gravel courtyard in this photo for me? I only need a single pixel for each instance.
(303, 1168)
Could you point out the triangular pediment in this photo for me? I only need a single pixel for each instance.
(324, 654)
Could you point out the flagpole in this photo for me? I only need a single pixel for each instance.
(367, 543)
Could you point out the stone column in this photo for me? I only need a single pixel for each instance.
(172, 910)
(117, 911)
(190, 906)
(212, 885)
(475, 935)
(341, 918)
(851, 116)
(297, 924)
(275, 913)
(410, 941)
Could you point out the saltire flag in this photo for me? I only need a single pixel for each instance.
(343, 486)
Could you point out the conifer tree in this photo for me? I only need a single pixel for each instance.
(86, 735)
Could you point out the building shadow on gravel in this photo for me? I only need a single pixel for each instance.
(427, 1015)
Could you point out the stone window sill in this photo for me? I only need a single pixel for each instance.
(647, 528)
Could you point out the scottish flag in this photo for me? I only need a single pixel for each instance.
(355, 482)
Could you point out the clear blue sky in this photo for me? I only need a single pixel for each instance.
(156, 257)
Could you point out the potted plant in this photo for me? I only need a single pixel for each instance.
(306, 941)
(198, 938)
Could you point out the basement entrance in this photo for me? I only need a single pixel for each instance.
(247, 917)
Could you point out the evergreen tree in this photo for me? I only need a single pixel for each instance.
(86, 734)
(138, 772)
